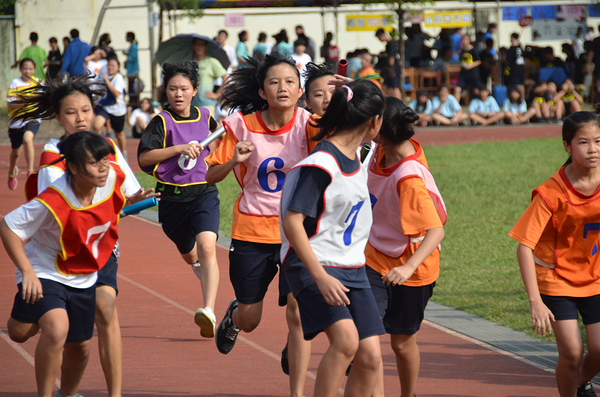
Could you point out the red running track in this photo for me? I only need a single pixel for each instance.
(164, 354)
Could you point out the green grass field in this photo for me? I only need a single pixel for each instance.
(486, 187)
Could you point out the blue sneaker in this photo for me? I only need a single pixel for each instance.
(60, 395)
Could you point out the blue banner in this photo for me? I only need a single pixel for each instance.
(543, 12)
(513, 13)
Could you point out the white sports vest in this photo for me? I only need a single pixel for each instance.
(387, 235)
(274, 155)
(344, 225)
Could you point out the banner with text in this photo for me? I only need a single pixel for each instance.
(362, 22)
(448, 19)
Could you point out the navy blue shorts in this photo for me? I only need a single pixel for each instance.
(252, 267)
(116, 122)
(181, 222)
(80, 305)
(401, 307)
(16, 134)
(108, 274)
(317, 315)
(566, 308)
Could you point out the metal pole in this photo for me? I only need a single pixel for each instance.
(151, 41)
(99, 21)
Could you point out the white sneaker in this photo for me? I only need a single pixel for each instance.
(206, 320)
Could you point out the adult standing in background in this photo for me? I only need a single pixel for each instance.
(260, 49)
(36, 53)
(325, 50)
(310, 44)
(133, 69)
(209, 69)
(413, 45)
(73, 61)
(283, 45)
(221, 38)
(104, 44)
(54, 59)
(241, 51)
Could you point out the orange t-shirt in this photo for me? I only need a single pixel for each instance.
(417, 215)
(535, 230)
(251, 227)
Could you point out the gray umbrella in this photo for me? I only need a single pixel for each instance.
(179, 48)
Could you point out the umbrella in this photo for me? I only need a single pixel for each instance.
(179, 48)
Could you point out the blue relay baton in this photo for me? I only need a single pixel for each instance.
(139, 206)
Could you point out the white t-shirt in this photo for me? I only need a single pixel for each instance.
(119, 108)
(47, 175)
(301, 62)
(139, 113)
(230, 51)
(34, 221)
(96, 68)
(15, 86)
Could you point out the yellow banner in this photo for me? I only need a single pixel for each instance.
(368, 22)
(448, 19)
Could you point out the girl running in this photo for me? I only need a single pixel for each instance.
(558, 244)
(112, 107)
(403, 257)
(21, 132)
(56, 281)
(189, 207)
(326, 222)
(318, 88)
(263, 141)
(72, 106)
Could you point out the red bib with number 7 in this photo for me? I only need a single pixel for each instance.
(88, 234)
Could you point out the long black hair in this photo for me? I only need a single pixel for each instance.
(346, 112)
(45, 101)
(75, 148)
(241, 88)
(398, 119)
(573, 123)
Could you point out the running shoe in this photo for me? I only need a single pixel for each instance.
(12, 180)
(285, 364)
(60, 395)
(227, 332)
(586, 390)
(205, 319)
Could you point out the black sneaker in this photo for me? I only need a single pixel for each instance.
(285, 364)
(586, 390)
(227, 332)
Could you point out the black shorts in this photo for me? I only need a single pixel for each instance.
(513, 80)
(16, 134)
(402, 308)
(181, 222)
(108, 274)
(316, 314)
(80, 305)
(116, 122)
(468, 83)
(566, 308)
(252, 267)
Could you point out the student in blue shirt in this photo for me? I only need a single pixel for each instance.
(485, 110)
(515, 108)
(423, 107)
(74, 57)
(446, 109)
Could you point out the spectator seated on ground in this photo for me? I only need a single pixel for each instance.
(515, 108)
(485, 110)
(557, 105)
(423, 107)
(446, 109)
(571, 98)
(538, 101)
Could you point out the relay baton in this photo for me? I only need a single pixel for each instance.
(140, 205)
(208, 140)
(342, 67)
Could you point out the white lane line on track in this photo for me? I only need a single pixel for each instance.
(22, 352)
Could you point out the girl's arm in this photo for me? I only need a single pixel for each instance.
(332, 289)
(399, 274)
(110, 87)
(31, 285)
(216, 173)
(154, 156)
(541, 317)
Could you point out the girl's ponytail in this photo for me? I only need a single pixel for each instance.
(398, 120)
